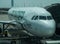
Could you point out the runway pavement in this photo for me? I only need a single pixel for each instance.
(4, 17)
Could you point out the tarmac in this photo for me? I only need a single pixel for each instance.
(4, 17)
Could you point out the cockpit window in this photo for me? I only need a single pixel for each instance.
(39, 17)
(35, 18)
(42, 17)
(49, 17)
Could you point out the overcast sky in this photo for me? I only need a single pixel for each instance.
(22, 3)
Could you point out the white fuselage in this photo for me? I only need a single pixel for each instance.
(36, 20)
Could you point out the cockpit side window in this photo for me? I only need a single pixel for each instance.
(49, 17)
(35, 18)
(42, 17)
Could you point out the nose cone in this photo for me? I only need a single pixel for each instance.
(50, 27)
(43, 28)
(46, 28)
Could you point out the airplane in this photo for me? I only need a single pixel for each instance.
(36, 20)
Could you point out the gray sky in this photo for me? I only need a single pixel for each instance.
(22, 3)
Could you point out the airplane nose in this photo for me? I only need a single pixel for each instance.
(43, 28)
(47, 28)
(50, 27)
(50, 24)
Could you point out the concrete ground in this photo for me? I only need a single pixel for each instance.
(4, 17)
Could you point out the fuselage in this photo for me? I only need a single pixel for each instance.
(36, 20)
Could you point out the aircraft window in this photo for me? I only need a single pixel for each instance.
(35, 18)
(42, 17)
(49, 17)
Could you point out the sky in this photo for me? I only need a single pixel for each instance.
(26, 3)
